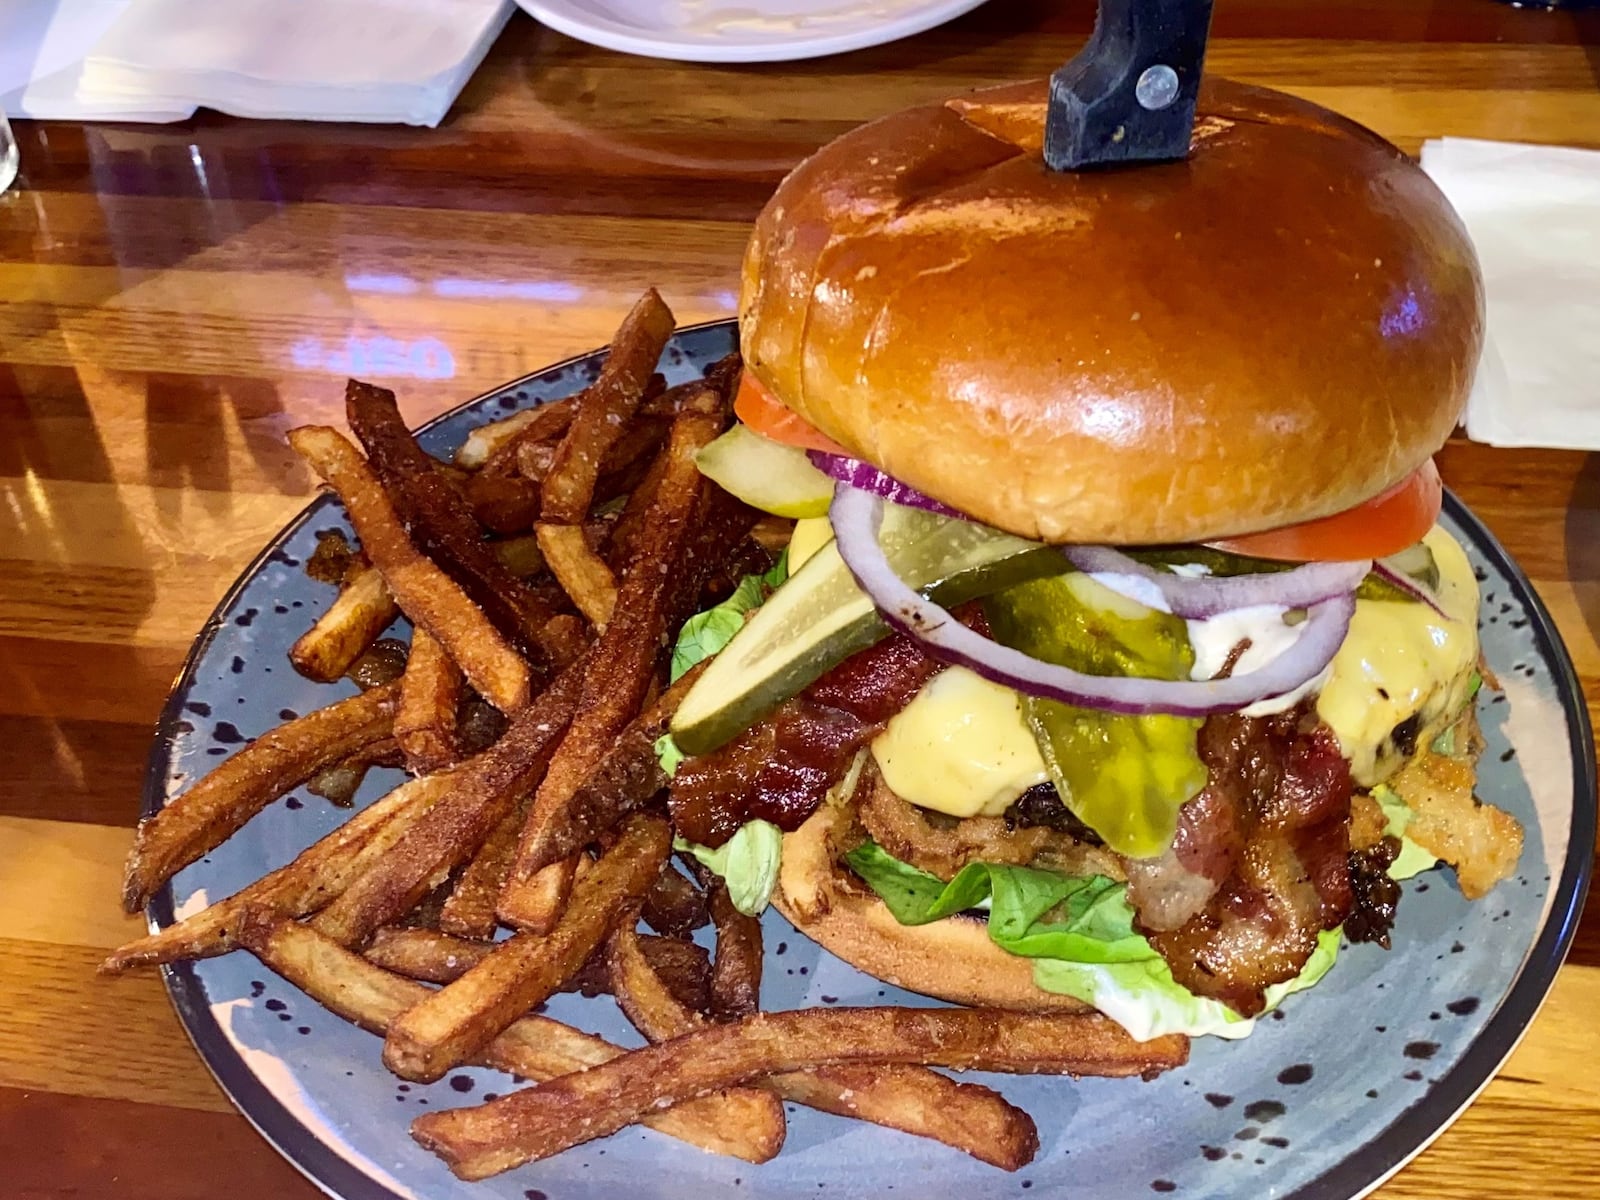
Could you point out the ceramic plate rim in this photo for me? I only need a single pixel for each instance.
(1411, 1133)
(610, 35)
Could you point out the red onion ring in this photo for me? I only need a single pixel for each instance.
(1207, 596)
(857, 518)
(1408, 585)
(867, 478)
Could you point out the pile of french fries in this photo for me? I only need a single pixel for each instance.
(544, 573)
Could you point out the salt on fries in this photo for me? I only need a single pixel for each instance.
(911, 1099)
(572, 1109)
(544, 573)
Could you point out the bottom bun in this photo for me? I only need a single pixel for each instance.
(953, 959)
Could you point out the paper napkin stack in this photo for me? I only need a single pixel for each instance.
(320, 60)
(1534, 216)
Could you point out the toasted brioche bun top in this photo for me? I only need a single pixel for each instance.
(1275, 329)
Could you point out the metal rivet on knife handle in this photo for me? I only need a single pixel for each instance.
(1129, 95)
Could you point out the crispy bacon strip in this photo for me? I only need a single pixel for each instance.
(1269, 836)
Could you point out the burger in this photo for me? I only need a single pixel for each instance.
(1116, 657)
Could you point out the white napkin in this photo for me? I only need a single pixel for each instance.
(330, 60)
(42, 47)
(1534, 216)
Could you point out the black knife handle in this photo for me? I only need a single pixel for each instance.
(1129, 95)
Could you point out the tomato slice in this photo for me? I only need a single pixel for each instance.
(1384, 525)
(771, 418)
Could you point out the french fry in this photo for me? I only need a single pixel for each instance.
(736, 966)
(627, 533)
(439, 520)
(206, 815)
(430, 694)
(912, 1099)
(457, 1021)
(533, 1047)
(582, 573)
(502, 504)
(540, 901)
(486, 441)
(424, 954)
(623, 466)
(424, 592)
(683, 968)
(494, 447)
(362, 611)
(484, 789)
(965, 1116)
(469, 910)
(627, 776)
(565, 639)
(641, 993)
(604, 409)
(540, 1121)
(549, 423)
(623, 663)
(646, 1001)
(314, 878)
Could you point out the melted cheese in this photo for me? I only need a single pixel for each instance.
(960, 747)
(810, 535)
(1402, 660)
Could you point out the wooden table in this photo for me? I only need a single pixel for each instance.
(172, 299)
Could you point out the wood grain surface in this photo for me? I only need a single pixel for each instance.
(173, 299)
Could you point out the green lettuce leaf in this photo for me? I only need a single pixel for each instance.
(1145, 1000)
(1412, 859)
(1080, 935)
(1034, 913)
(748, 863)
(704, 634)
(668, 754)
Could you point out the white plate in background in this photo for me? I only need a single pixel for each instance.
(742, 31)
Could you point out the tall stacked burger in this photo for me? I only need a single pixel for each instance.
(1116, 657)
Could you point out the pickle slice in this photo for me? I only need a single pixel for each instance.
(766, 474)
(819, 617)
(1123, 776)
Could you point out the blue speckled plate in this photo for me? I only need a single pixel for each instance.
(1323, 1102)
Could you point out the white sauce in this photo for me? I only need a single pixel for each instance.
(1214, 639)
